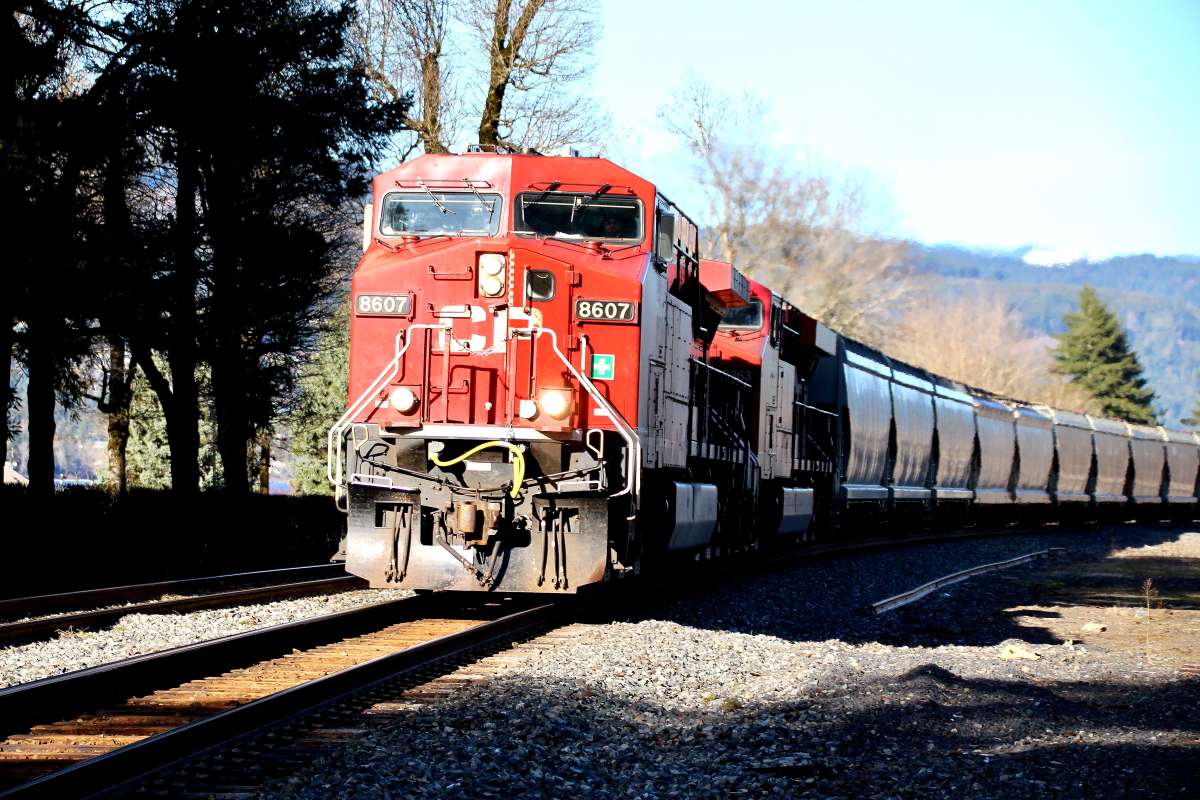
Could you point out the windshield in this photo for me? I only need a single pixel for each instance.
(440, 213)
(580, 216)
(744, 318)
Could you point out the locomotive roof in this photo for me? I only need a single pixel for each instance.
(512, 172)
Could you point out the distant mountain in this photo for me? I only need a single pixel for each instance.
(1158, 299)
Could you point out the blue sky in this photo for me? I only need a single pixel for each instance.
(1072, 126)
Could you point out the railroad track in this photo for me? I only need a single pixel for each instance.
(282, 584)
(239, 710)
(110, 726)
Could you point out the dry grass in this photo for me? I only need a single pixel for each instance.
(1171, 637)
(1148, 598)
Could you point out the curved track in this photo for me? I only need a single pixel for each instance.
(268, 693)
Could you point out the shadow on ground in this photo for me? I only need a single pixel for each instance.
(531, 737)
(830, 599)
(782, 686)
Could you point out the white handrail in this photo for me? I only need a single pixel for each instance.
(633, 483)
(339, 428)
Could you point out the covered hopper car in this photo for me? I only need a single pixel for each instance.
(549, 389)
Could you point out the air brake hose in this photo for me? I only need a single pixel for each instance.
(518, 462)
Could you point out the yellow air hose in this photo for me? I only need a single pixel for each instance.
(518, 462)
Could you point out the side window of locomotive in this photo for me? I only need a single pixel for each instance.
(439, 213)
(743, 318)
(539, 285)
(665, 247)
(561, 215)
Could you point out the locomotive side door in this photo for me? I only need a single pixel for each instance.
(785, 414)
(775, 399)
(677, 389)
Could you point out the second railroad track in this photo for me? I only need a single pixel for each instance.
(119, 601)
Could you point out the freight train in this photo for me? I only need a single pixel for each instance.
(549, 388)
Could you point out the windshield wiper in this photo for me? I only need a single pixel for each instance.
(445, 210)
(528, 203)
(581, 204)
(475, 192)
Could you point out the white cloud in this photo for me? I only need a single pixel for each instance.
(1053, 258)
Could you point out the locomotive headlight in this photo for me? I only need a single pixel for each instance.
(403, 399)
(555, 403)
(491, 274)
(491, 263)
(490, 286)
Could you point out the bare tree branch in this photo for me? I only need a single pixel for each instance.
(799, 231)
(520, 67)
(540, 54)
(403, 47)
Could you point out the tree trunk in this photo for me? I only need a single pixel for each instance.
(264, 463)
(118, 235)
(181, 406)
(9, 321)
(39, 402)
(231, 384)
(120, 395)
(505, 50)
(431, 103)
(233, 428)
(499, 72)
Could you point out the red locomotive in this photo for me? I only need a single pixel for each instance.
(534, 403)
(549, 388)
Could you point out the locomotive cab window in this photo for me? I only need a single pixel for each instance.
(743, 318)
(539, 285)
(596, 217)
(439, 213)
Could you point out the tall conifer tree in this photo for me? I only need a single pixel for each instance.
(1095, 352)
(1194, 419)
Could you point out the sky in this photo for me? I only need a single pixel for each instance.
(1073, 127)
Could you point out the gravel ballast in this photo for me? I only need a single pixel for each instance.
(781, 685)
(136, 634)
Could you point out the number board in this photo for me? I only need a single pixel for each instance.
(387, 305)
(624, 311)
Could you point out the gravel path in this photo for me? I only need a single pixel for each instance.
(135, 634)
(781, 686)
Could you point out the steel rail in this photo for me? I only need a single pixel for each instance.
(927, 588)
(57, 602)
(91, 619)
(136, 764)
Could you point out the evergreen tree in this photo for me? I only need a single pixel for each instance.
(148, 453)
(1094, 351)
(1194, 419)
(265, 147)
(322, 402)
